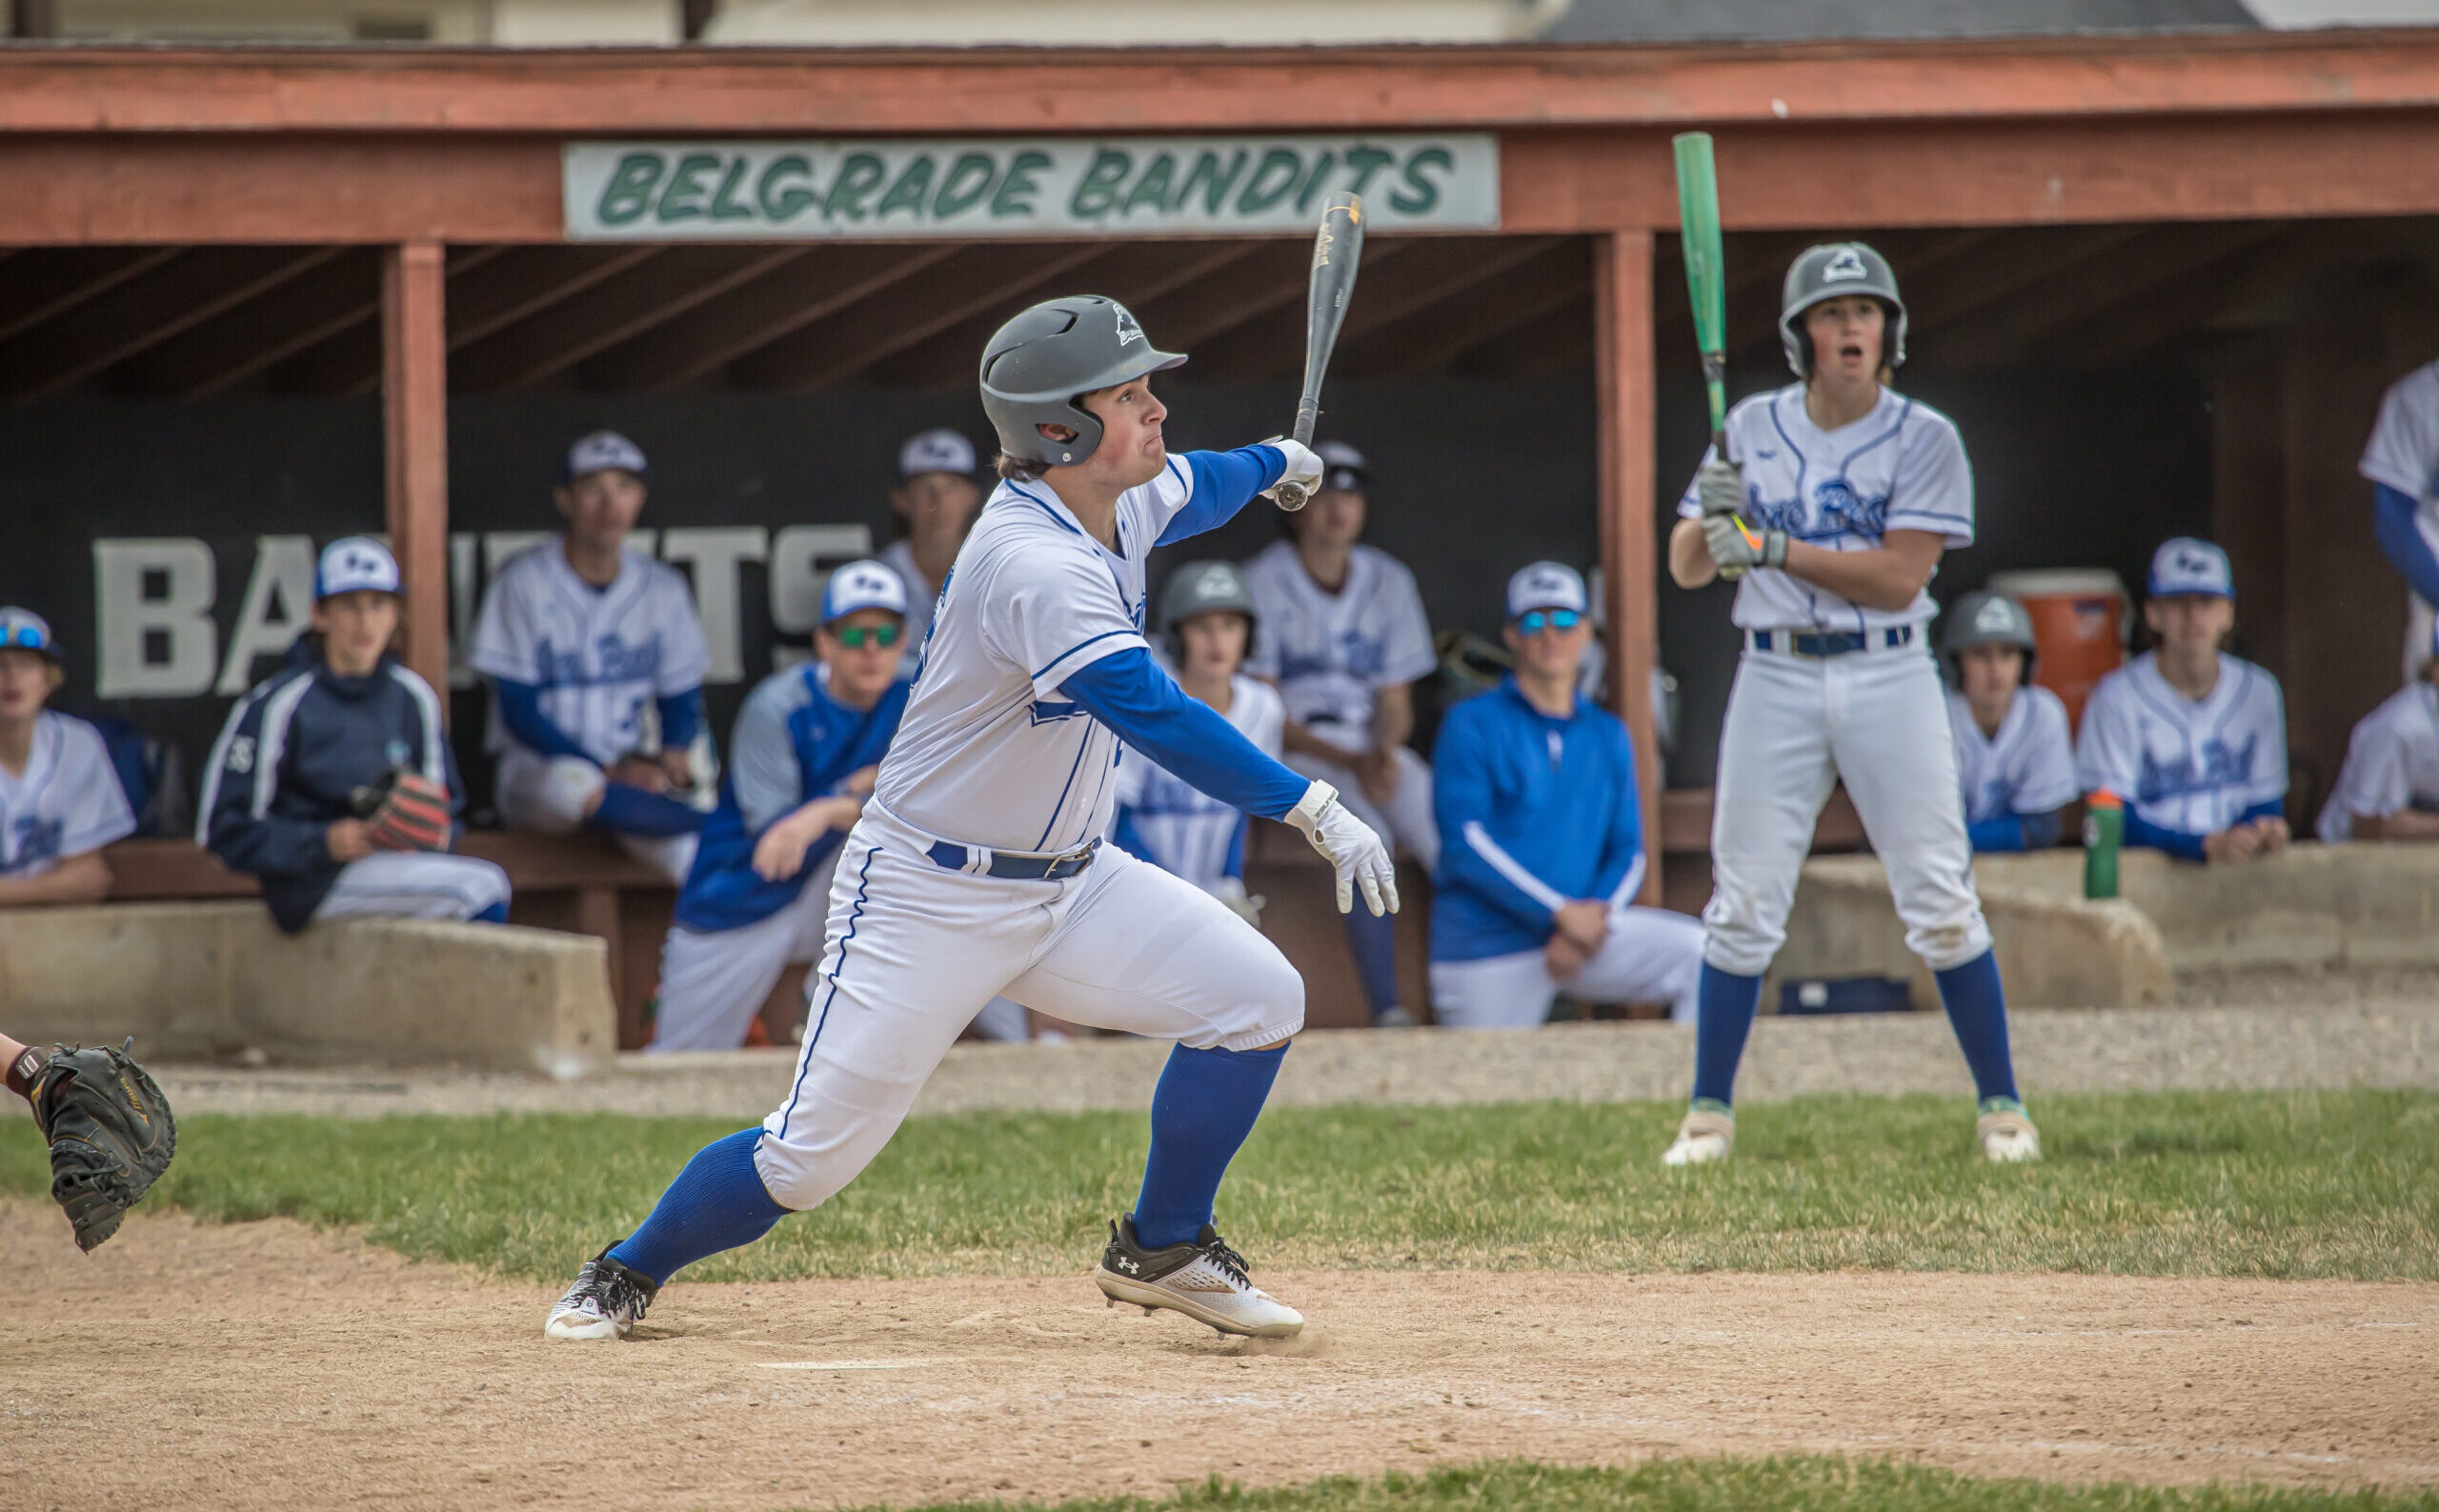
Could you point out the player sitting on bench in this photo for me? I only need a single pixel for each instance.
(2388, 788)
(2013, 754)
(60, 801)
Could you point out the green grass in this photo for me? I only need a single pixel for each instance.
(1797, 1483)
(2262, 1184)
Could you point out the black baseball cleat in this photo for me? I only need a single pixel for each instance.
(605, 1302)
(1206, 1281)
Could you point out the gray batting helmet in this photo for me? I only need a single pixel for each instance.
(1039, 363)
(1832, 271)
(1985, 618)
(1203, 588)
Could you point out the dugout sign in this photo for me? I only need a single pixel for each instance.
(1051, 187)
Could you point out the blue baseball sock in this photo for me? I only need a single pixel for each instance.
(1977, 1009)
(1201, 1111)
(1375, 944)
(496, 913)
(1726, 1003)
(717, 1203)
(629, 810)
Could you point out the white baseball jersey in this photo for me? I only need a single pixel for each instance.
(1190, 833)
(2391, 763)
(2028, 767)
(991, 753)
(65, 802)
(598, 654)
(1902, 467)
(922, 596)
(1330, 653)
(2190, 766)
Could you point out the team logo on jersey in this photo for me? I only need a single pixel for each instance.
(37, 840)
(2221, 766)
(1127, 330)
(1842, 511)
(1844, 265)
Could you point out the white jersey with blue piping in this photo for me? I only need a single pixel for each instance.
(1182, 830)
(1331, 652)
(2193, 766)
(2027, 767)
(991, 753)
(2391, 763)
(66, 801)
(1900, 467)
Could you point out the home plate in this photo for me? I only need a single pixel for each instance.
(850, 1364)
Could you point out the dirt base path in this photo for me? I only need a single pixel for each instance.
(269, 1366)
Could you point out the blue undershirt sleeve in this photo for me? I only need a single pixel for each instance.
(2265, 809)
(2002, 832)
(1146, 707)
(520, 709)
(1224, 482)
(2401, 538)
(681, 718)
(2141, 832)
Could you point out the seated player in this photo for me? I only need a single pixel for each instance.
(2013, 752)
(935, 502)
(577, 635)
(801, 763)
(2388, 788)
(2191, 739)
(332, 781)
(60, 799)
(1345, 637)
(1208, 615)
(1542, 849)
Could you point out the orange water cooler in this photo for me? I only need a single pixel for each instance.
(2080, 619)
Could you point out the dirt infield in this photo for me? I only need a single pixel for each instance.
(268, 1365)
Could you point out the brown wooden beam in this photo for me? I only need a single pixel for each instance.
(44, 283)
(177, 297)
(1276, 270)
(1559, 340)
(414, 407)
(1621, 368)
(1430, 270)
(1429, 341)
(233, 347)
(617, 309)
(2135, 272)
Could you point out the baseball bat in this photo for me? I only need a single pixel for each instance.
(1705, 277)
(1338, 251)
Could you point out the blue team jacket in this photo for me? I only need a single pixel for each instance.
(289, 755)
(793, 744)
(1534, 811)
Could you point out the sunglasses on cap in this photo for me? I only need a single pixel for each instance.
(855, 637)
(26, 636)
(1534, 623)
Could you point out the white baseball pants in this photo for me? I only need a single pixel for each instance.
(547, 794)
(915, 951)
(1797, 725)
(1651, 956)
(1408, 820)
(713, 981)
(415, 884)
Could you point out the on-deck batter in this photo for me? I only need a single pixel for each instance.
(977, 866)
(1847, 493)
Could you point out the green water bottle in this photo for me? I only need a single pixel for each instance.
(2103, 831)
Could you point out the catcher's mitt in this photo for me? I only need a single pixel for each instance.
(407, 811)
(111, 1134)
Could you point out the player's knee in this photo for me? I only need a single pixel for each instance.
(1950, 943)
(569, 788)
(483, 887)
(1268, 1004)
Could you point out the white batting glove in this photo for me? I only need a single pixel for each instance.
(1303, 466)
(1738, 550)
(1719, 486)
(1350, 846)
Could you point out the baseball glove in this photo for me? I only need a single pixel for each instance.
(406, 810)
(111, 1134)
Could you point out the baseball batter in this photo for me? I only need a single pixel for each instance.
(1208, 616)
(1537, 797)
(60, 799)
(2402, 462)
(935, 502)
(2013, 752)
(977, 866)
(2388, 788)
(579, 635)
(1834, 504)
(2192, 740)
(807, 748)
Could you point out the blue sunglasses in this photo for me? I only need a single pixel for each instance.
(1541, 620)
(26, 636)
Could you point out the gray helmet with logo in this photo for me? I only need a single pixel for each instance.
(1985, 618)
(1037, 364)
(1832, 271)
(1203, 588)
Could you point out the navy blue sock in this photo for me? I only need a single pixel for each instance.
(1201, 1111)
(629, 810)
(717, 1203)
(496, 913)
(1374, 940)
(1726, 1003)
(1977, 1009)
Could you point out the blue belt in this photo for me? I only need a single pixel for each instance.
(955, 857)
(1804, 643)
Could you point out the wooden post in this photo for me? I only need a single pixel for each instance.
(1623, 378)
(414, 404)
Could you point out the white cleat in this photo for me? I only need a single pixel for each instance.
(2006, 1135)
(1708, 1135)
(1206, 1281)
(604, 1302)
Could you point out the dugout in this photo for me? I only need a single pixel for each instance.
(251, 298)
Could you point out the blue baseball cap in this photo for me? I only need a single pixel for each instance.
(1547, 585)
(24, 629)
(2189, 568)
(867, 584)
(354, 564)
(603, 451)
